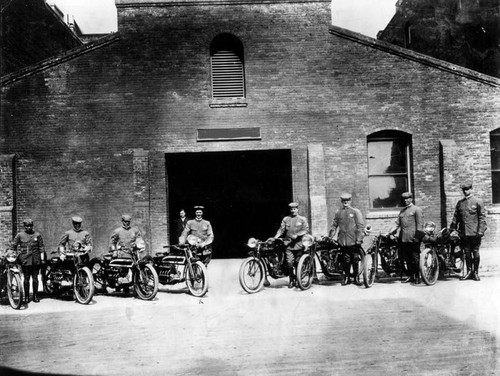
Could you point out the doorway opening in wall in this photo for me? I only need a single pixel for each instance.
(245, 194)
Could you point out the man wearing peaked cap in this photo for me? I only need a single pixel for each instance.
(350, 225)
(470, 220)
(126, 236)
(293, 227)
(75, 236)
(202, 229)
(410, 224)
(29, 244)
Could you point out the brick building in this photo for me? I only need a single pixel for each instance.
(242, 107)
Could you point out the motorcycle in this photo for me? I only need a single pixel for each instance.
(441, 253)
(202, 252)
(387, 247)
(125, 272)
(10, 279)
(68, 272)
(264, 257)
(182, 264)
(326, 252)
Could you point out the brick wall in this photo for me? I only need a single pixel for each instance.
(77, 126)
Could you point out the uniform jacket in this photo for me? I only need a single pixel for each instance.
(293, 227)
(350, 224)
(30, 247)
(469, 217)
(72, 236)
(126, 238)
(201, 229)
(410, 223)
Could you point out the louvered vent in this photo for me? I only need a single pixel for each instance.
(227, 75)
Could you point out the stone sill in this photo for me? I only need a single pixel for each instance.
(495, 209)
(382, 214)
(223, 103)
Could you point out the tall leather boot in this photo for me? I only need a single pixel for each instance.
(417, 278)
(355, 268)
(470, 273)
(26, 290)
(476, 269)
(291, 284)
(35, 290)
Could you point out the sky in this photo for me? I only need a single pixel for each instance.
(367, 17)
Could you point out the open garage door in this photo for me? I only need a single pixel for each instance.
(244, 193)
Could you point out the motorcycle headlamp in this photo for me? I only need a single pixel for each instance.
(140, 243)
(307, 240)
(192, 240)
(252, 243)
(430, 227)
(11, 258)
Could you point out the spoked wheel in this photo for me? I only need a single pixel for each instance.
(15, 290)
(48, 285)
(370, 265)
(252, 273)
(146, 282)
(83, 285)
(460, 262)
(305, 271)
(429, 266)
(196, 279)
(97, 270)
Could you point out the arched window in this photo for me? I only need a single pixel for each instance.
(389, 163)
(495, 165)
(226, 57)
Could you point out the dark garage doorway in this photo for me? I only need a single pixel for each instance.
(245, 193)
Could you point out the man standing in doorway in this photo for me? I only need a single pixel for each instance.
(180, 224)
(350, 225)
(293, 228)
(470, 219)
(202, 229)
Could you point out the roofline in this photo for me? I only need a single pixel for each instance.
(169, 3)
(415, 56)
(59, 59)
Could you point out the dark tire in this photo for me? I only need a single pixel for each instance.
(252, 275)
(429, 266)
(370, 266)
(305, 271)
(146, 282)
(15, 290)
(83, 285)
(97, 270)
(197, 279)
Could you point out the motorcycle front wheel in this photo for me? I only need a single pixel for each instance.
(252, 274)
(83, 285)
(146, 282)
(429, 266)
(15, 290)
(196, 279)
(305, 271)
(370, 265)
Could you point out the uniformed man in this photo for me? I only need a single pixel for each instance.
(410, 224)
(293, 227)
(470, 220)
(202, 229)
(350, 225)
(76, 236)
(125, 237)
(29, 244)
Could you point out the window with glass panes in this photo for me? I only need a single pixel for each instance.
(495, 165)
(389, 163)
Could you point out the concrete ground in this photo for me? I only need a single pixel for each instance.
(451, 328)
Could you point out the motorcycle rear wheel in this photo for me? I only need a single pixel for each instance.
(146, 283)
(370, 265)
(48, 287)
(305, 271)
(15, 290)
(251, 275)
(429, 266)
(83, 285)
(197, 282)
